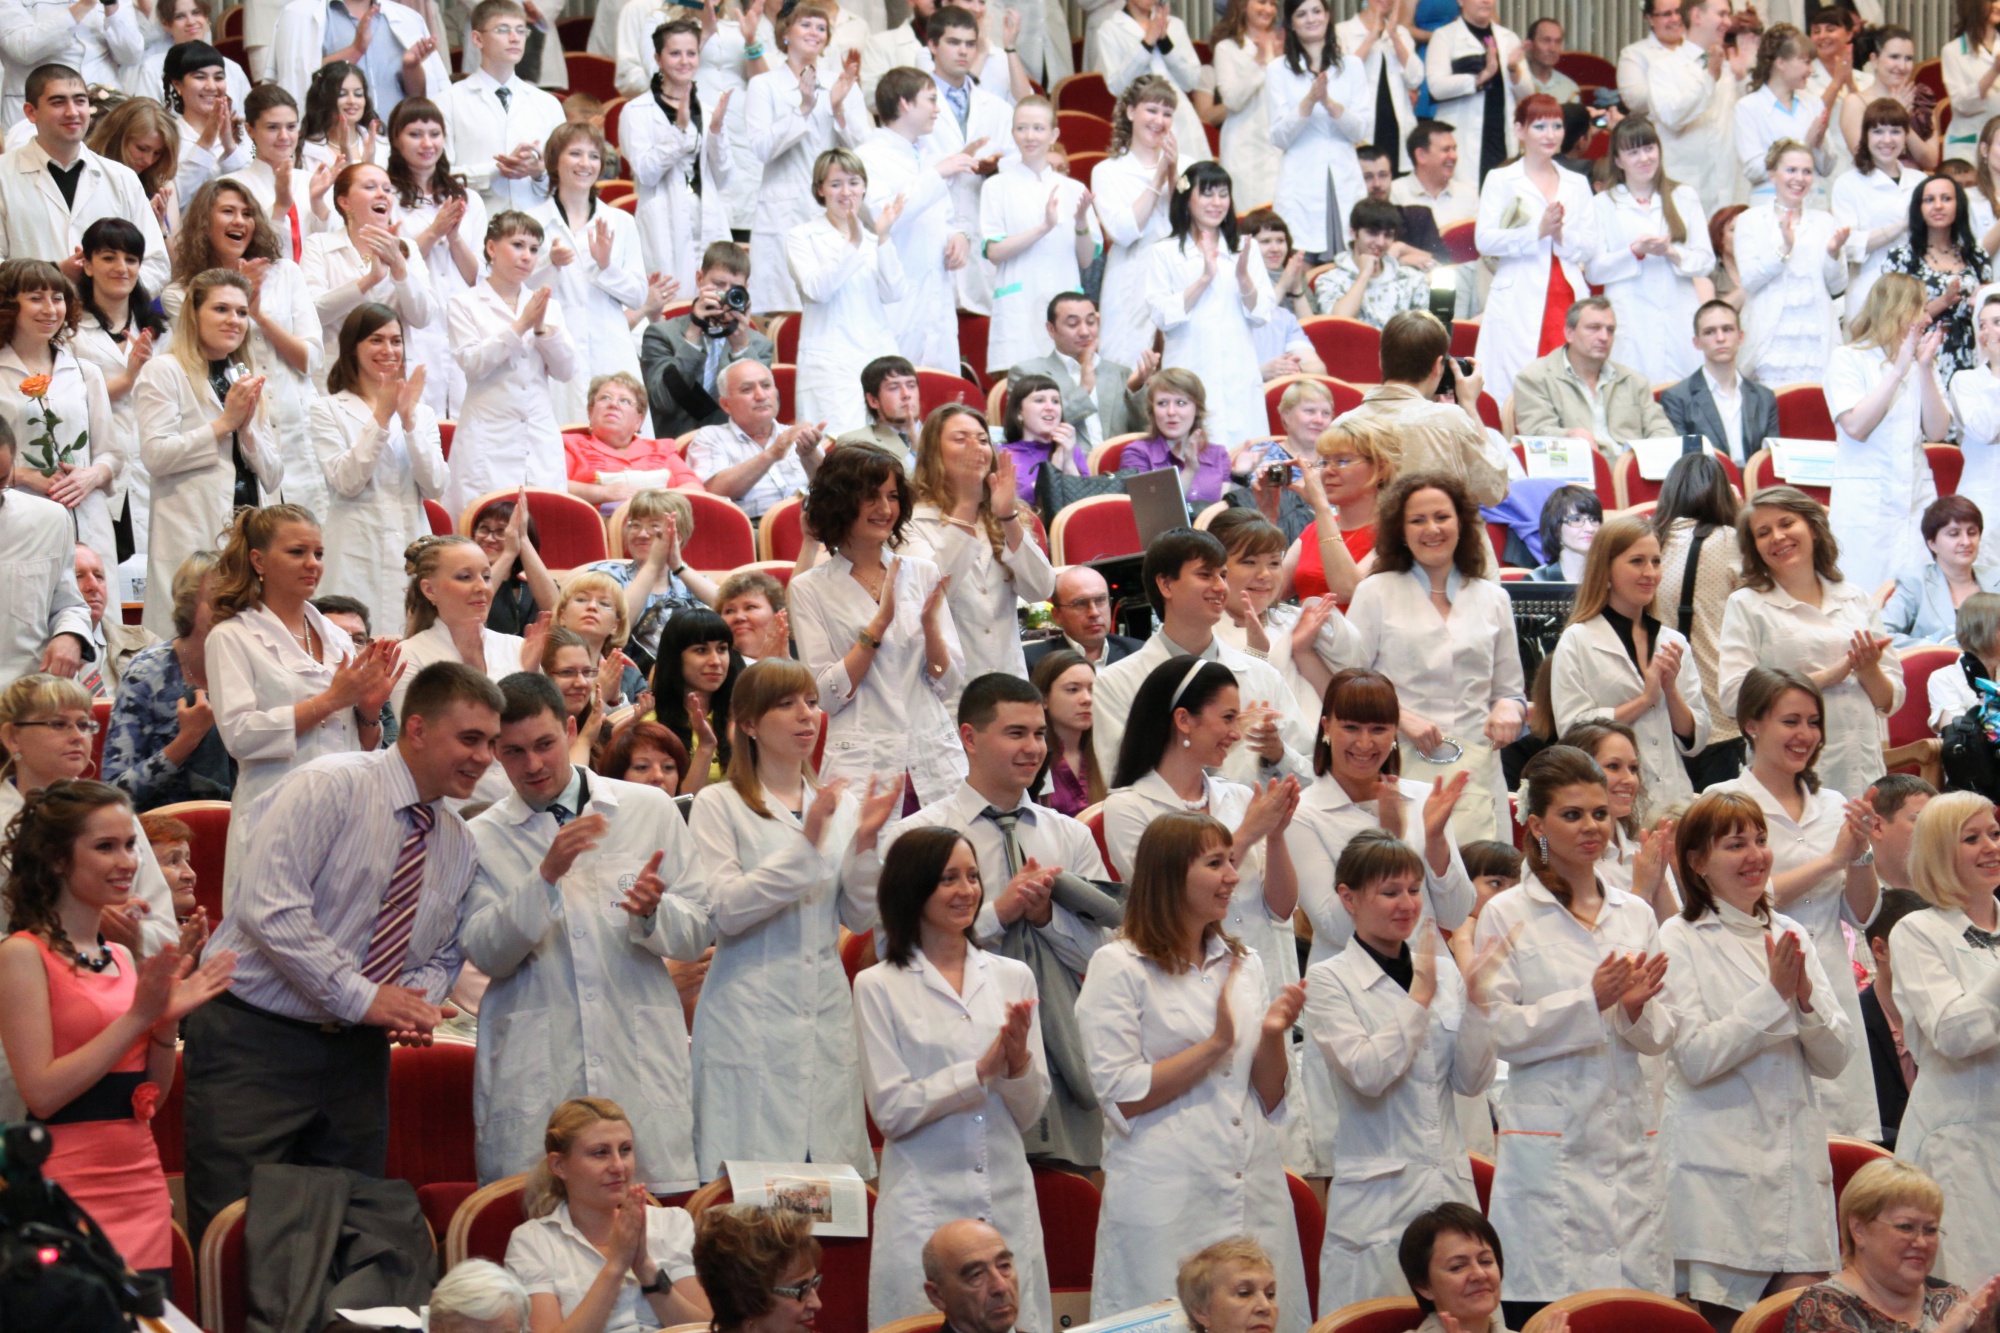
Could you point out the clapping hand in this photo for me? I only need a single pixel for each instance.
(1442, 801)
(826, 800)
(882, 800)
(119, 924)
(1008, 1056)
(1269, 811)
(1029, 893)
(1648, 978)
(643, 898)
(1786, 962)
(170, 985)
(1284, 1010)
(572, 840)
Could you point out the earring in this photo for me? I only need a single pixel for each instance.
(1187, 743)
(1543, 844)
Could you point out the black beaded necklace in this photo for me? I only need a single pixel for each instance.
(97, 964)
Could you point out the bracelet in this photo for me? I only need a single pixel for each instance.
(753, 51)
(1010, 515)
(867, 640)
(679, 569)
(167, 1045)
(1008, 50)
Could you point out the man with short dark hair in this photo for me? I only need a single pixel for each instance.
(1082, 611)
(1187, 582)
(1545, 47)
(1418, 243)
(1730, 410)
(969, 1274)
(1366, 282)
(496, 120)
(682, 358)
(344, 921)
(563, 846)
(1435, 436)
(1579, 391)
(895, 410)
(1433, 180)
(1101, 399)
(1034, 912)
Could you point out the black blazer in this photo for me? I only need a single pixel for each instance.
(1116, 648)
(1693, 410)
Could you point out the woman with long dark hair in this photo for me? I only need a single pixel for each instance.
(1319, 109)
(1942, 254)
(693, 677)
(1070, 780)
(447, 223)
(1133, 187)
(1695, 519)
(680, 159)
(1652, 243)
(194, 86)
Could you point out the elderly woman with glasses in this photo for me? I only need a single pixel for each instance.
(1889, 1242)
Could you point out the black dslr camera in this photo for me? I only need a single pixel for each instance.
(735, 305)
(58, 1272)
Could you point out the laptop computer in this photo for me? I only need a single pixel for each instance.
(1158, 503)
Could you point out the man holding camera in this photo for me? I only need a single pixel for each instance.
(1436, 436)
(683, 358)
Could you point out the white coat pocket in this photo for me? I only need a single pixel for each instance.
(1146, 1196)
(1362, 1202)
(1532, 1140)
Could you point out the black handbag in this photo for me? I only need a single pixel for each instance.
(1056, 491)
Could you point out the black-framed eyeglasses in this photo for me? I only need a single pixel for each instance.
(796, 1291)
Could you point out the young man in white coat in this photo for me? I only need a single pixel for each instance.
(1041, 906)
(52, 187)
(1477, 70)
(904, 161)
(495, 121)
(584, 885)
(970, 120)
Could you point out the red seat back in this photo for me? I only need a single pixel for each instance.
(1621, 1312)
(1081, 165)
(489, 1231)
(1068, 1205)
(1464, 332)
(440, 1200)
(1093, 528)
(1084, 92)
(181, 1291)
(1458, 238)
(1385, 1314)
(1802, 413)
(1769, 1315)
(1482, 1178)
(857, 954)
(1600, 474)
(430, 1114)
(100, 712)
(1763, 471)
(208, 823)
(446, 431)
(1351, 349)
(786, 377)
(596, 75)
(1850, 1155)
(1310, 1214)
(1912, 722)
(1083, 131)
(169, 1125)
(972, 332)
(723, 537)
(438, 518)
(1947, 465)
(1586, 68)
(613, 113)
(781, 531)
(786, 341)
(935, 388)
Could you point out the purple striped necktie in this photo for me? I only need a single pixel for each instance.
(399, 906)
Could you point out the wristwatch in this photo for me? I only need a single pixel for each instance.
(659, 1286)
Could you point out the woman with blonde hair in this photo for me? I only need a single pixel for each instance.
(657, 581)
(1776, 101)
(1342, 483)
(788, 861)
(1177, 437)
(1134, 187)
(288, 683)
(138, 133)
(596, 1254)
(1616, 661)
(592, 606)
(1883, 394)
(206, 440)
(1188, 1057)
(1758, 1029)
(1228, 1287)
(591, 258)
(968, 521)
(1946, 969)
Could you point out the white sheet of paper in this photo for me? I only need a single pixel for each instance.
(1556, 456)
(832, 1193)
(1658, 454)
(383, 1316)
(1803, 462)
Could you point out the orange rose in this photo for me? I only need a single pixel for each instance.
(35, 386)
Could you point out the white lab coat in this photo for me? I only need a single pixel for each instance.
(581, 1003)
(1257, 681)
(1762, 120)
(594, 301)
(147, 78)
(287, 392)
(1405, 77)
(924, 318)
(1746, 1076)
(1975, 406)
(198, 165)
(1867, 201)
(378, 479)
(1453, 678)
(1121, 58)
(1847, 1099)
(896, 719)
(1654, 298)
(675, 223)
(1119, 183)
(1774, 629)
(36, 223)
(1246, 150)
(1883, 484)
(1579, 1192)
(77, 396)
(1592, 675)
(257, 177)
(1213, 337)
(334, 269)
(430, 345)
(1694, 114)
(1948, 991)
(776, 1000)
(1333, 646)
(985, 590)
(507, 433)
(1398, 1152)
(1319, 181)
(298, 46)
(257, 674)
(193, 474)
(989, 116)
(787, 141)
(845, 288)
(1963, 67)
(477, 127)
(1015, 200)
(1461, 102)
(722, 71)
(42, 32)
(92, 344)
(951, 1143)
(1788, 318)
(1509, 231)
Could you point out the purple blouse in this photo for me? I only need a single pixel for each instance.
(1211, 473)
(1068, 793)
(1029, 455)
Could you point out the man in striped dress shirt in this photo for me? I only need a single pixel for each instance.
(345, 926)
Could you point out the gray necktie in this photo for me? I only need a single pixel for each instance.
(506, 96)
(1009, 839)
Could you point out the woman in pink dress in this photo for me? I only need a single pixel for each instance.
(89, 1033)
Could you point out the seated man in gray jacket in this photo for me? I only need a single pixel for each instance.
(1578, 391)
(682, 358)
(1101, 399)
(1730, 410)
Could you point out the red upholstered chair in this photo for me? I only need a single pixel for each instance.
(1947, 465)
(1620, 1311)
(572, 531)
(935, 388)
(1911, 722)
(1351, 349)
(1849, 1155)
(574, 34)
(1465, 336)
(169, 1125)
(1482, 1178)
(208, 821)
(220, 1282)
(1385, 1314)
(916, 1323)
(1489, 412)
(1105, 458)
(723, 538)
(439, 518)
(786, 377)
(1600, 467)
(430, 1113)
(1590, 69)
(483, 1224)
(785, 339)
(1081, 165)
(1761, 470)
(1346, 397)
(610, 192)
(596, 75)
(1769, 1314)
(441, 1200)
(181, 1291)
(1802, 413)
(1458, 238)
(1496, 537)
(613, 112)
(1632, 489)
(1068, 1205)
(1094, 527)
(781, 570)
(1310, 1215)
(857, 954)
(446, 430)
(972, 331)
(1093, 819)
(780, 535)
(1084, 92)
(843, 1264)
(1083, 131)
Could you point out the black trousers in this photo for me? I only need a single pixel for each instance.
(263, 1088)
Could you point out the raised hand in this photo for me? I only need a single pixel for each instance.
(1611, 980)
(643, 898)
(1838, 241)
(934, 603)
(1648, 978)
(1003, 484)
(885, 604)
(600, 243)
(241, 404)
(1270, 809)
(194, 932)
(1786, 964)
(1424, 963)
(825, 801)
(1552, 222)
(879, 804)
(699, 724)
(572, 840)
(560, 254)
(170, 986)
(409, 394)
(1284, 1010)
(1224, 1035)
(715, 120)
(120, 924)
(886, 218)
(1442, 801)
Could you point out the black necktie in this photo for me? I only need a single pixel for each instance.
(506, 96)
(1980, 939)
(562, 814)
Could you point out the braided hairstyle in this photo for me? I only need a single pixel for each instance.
(40, 848)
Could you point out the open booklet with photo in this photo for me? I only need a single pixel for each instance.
(831, 1193)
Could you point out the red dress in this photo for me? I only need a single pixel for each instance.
(111, 1167)
(1309, 576)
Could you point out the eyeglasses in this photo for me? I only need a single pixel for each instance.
(1909, 1231)
(796, 1291)
(572, 673)
(1101, 602)
(1343, 461)
(87, 727)
(1582, 521)
(601, 602)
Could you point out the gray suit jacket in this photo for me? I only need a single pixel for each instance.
(1693, 410)
(671, 367)
(1118, 411)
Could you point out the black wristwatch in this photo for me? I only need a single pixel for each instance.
(659, 1286)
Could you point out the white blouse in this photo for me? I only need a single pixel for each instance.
(551, 1257)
